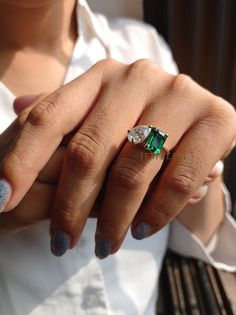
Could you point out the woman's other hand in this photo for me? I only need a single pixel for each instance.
(216, 171)
(37, 203)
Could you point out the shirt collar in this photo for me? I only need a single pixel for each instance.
(89, 23)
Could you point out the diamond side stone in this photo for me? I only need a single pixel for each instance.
(139, 134)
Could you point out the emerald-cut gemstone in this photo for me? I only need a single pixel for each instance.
(156, 140)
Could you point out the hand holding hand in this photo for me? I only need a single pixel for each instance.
(102, 105)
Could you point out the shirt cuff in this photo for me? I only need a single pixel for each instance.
(219, 250)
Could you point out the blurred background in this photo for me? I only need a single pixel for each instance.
(202, 37)
(114, 8)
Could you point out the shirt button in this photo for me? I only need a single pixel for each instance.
(90, 300)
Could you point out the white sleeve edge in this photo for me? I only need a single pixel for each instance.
(218, 252)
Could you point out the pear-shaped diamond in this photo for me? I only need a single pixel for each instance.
(139, 134)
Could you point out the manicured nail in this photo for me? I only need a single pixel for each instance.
(103, 248)
(217, 169)
(200, 193)
(141, 231)
(60, 242)
(203, 190)
(5, 193)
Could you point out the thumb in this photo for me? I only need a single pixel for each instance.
(22, 106)
(23, 102)
(27, 102)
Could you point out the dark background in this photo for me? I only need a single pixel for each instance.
(202, 36)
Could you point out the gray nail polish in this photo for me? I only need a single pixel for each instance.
(5, 193)
(103, 248)
(141, 231)
(60, 242)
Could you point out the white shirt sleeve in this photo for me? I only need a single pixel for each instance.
(218, 252)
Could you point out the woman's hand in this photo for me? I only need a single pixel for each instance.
(37, 204)
(216, 172)
(103, 104)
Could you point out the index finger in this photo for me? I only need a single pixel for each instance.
(44, 129)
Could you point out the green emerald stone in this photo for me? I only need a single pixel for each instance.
(155, 141)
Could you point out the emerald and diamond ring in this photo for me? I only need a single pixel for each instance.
(150, 137)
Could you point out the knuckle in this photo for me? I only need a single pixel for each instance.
(128, 174)
(141, 68)
(222, 109)
(148, 78)
(107, 64)
(183, 181)
(41, 115)
(181, 82)
(221, 119)
(141, 64)
(84, 155)
(48, 112)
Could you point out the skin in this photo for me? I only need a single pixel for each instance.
(87, 163)
(36, 205)
(98, 104)
(45, 40)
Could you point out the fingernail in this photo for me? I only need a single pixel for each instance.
(60, 242)
(103, 248)
(141, 231)
(203, 190)
(217, 169)
(5, 193)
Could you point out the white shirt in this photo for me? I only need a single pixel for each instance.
(33, 281)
